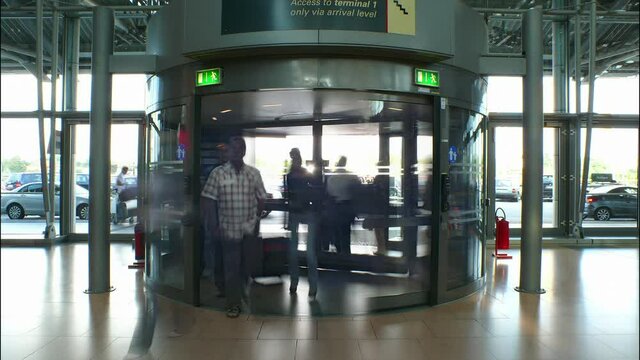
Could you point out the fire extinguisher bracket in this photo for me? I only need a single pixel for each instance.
(502, 235)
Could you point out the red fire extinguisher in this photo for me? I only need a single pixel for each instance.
(502, 235)
(138, 243)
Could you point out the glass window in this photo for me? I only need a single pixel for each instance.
(614, 95)
(127, 92)
(20, 166)
(509, 163)
(18, 92)
(124, 152)
(614, 157)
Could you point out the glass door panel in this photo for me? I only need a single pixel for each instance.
(166, 150)
(612, 193)
(353, 154)
(268, 150)
(508, 181)
(124, 152)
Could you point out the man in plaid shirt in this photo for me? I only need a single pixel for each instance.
(236, 194)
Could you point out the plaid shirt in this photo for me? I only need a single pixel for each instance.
(237, 194)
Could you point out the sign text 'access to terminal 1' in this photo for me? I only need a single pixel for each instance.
(208, 77)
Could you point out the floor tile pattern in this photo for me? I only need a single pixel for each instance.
(590, 311)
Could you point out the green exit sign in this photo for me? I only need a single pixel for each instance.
(208, 77)
(427, 78)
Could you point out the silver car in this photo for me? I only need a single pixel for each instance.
(27, 200)
(505, 189)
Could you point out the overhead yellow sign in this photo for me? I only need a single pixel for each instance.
(401, 17)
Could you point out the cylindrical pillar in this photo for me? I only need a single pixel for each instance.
(531, 247)
(99, 153)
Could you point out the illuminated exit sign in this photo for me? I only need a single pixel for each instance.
(208, 77)
(427, 78)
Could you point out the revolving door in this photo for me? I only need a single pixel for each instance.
(386, 144)
(415, 233)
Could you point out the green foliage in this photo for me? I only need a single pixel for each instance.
(598, 166)
(14, 165)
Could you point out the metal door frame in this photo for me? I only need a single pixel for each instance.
(67, 214)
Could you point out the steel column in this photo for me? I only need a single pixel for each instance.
(52, 126)
(531, 247)
(575, 201)
(69, 101)
(49, 231)
(592, 80)
(100, 152)
(560, 79)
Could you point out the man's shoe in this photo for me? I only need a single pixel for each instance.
(233, 312)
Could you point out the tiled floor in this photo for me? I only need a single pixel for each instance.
(590, 311)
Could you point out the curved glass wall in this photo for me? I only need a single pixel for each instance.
(165, 198)
(373, 240)
(466, 219)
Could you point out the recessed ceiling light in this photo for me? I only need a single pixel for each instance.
(214, 118)
(630, 61)
(225, 111)
(395, 109)
(271, 105)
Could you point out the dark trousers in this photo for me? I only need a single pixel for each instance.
(218, 264)
(237, 260)
(212, 259)
(342, 218)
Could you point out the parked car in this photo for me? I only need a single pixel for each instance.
(505, 189)
(27, 200)
(611, 201)
(547, 187)
(82, 180)
(18, 179)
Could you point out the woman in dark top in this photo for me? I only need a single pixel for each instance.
(300, 190)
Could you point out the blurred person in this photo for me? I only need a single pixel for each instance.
(302, 210)
(341, 189)
(381, 207)
(121, 185)
(213, 262)
(237, 194)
